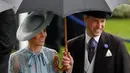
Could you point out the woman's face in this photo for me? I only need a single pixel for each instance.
(39, 39)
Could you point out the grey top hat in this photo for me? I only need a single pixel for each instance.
(33, 24)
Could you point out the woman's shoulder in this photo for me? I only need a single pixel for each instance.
(46, 49)
(18, 53)
(49, 52)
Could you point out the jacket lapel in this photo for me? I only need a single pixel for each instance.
(100, 54)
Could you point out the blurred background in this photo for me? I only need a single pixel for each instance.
(119, 24)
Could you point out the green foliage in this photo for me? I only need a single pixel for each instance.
(119, 27)
(122, 11)
(60, 54)
(128, 46)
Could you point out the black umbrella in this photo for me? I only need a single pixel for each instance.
(65, 7)
(5, 6)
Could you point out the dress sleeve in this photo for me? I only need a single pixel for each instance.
(51, 54)
(54, 53)
(13, 66)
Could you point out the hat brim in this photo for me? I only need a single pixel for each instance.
(23, 36)
(98, 14)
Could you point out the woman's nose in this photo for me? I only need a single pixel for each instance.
(42, 33)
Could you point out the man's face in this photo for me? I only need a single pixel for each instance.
(39, 39)
(95, 26)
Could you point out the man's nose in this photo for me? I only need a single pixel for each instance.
(99, 25)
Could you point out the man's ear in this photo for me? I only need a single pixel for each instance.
(85, 18)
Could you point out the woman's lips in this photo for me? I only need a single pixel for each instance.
(42, 40)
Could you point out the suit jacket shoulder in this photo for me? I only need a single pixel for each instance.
(118, 62)
(77, 50)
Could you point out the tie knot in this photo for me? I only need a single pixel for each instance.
(33, 58)
(92, 43)
(36, 54)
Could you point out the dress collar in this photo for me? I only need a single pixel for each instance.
(41, 52)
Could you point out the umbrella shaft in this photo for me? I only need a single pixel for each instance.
(65, 33)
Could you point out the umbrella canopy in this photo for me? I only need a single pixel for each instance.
(103, 5)
(65, 7)
(14, 3)
(5, 6)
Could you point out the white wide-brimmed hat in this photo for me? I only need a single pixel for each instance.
(33, 24)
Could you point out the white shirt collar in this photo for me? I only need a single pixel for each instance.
(96, 38)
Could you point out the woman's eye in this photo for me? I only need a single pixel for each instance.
(44, 30)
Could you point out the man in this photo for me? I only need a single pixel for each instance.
(97, 51)
(35, 58)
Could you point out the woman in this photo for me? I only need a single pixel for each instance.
(35, 58)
